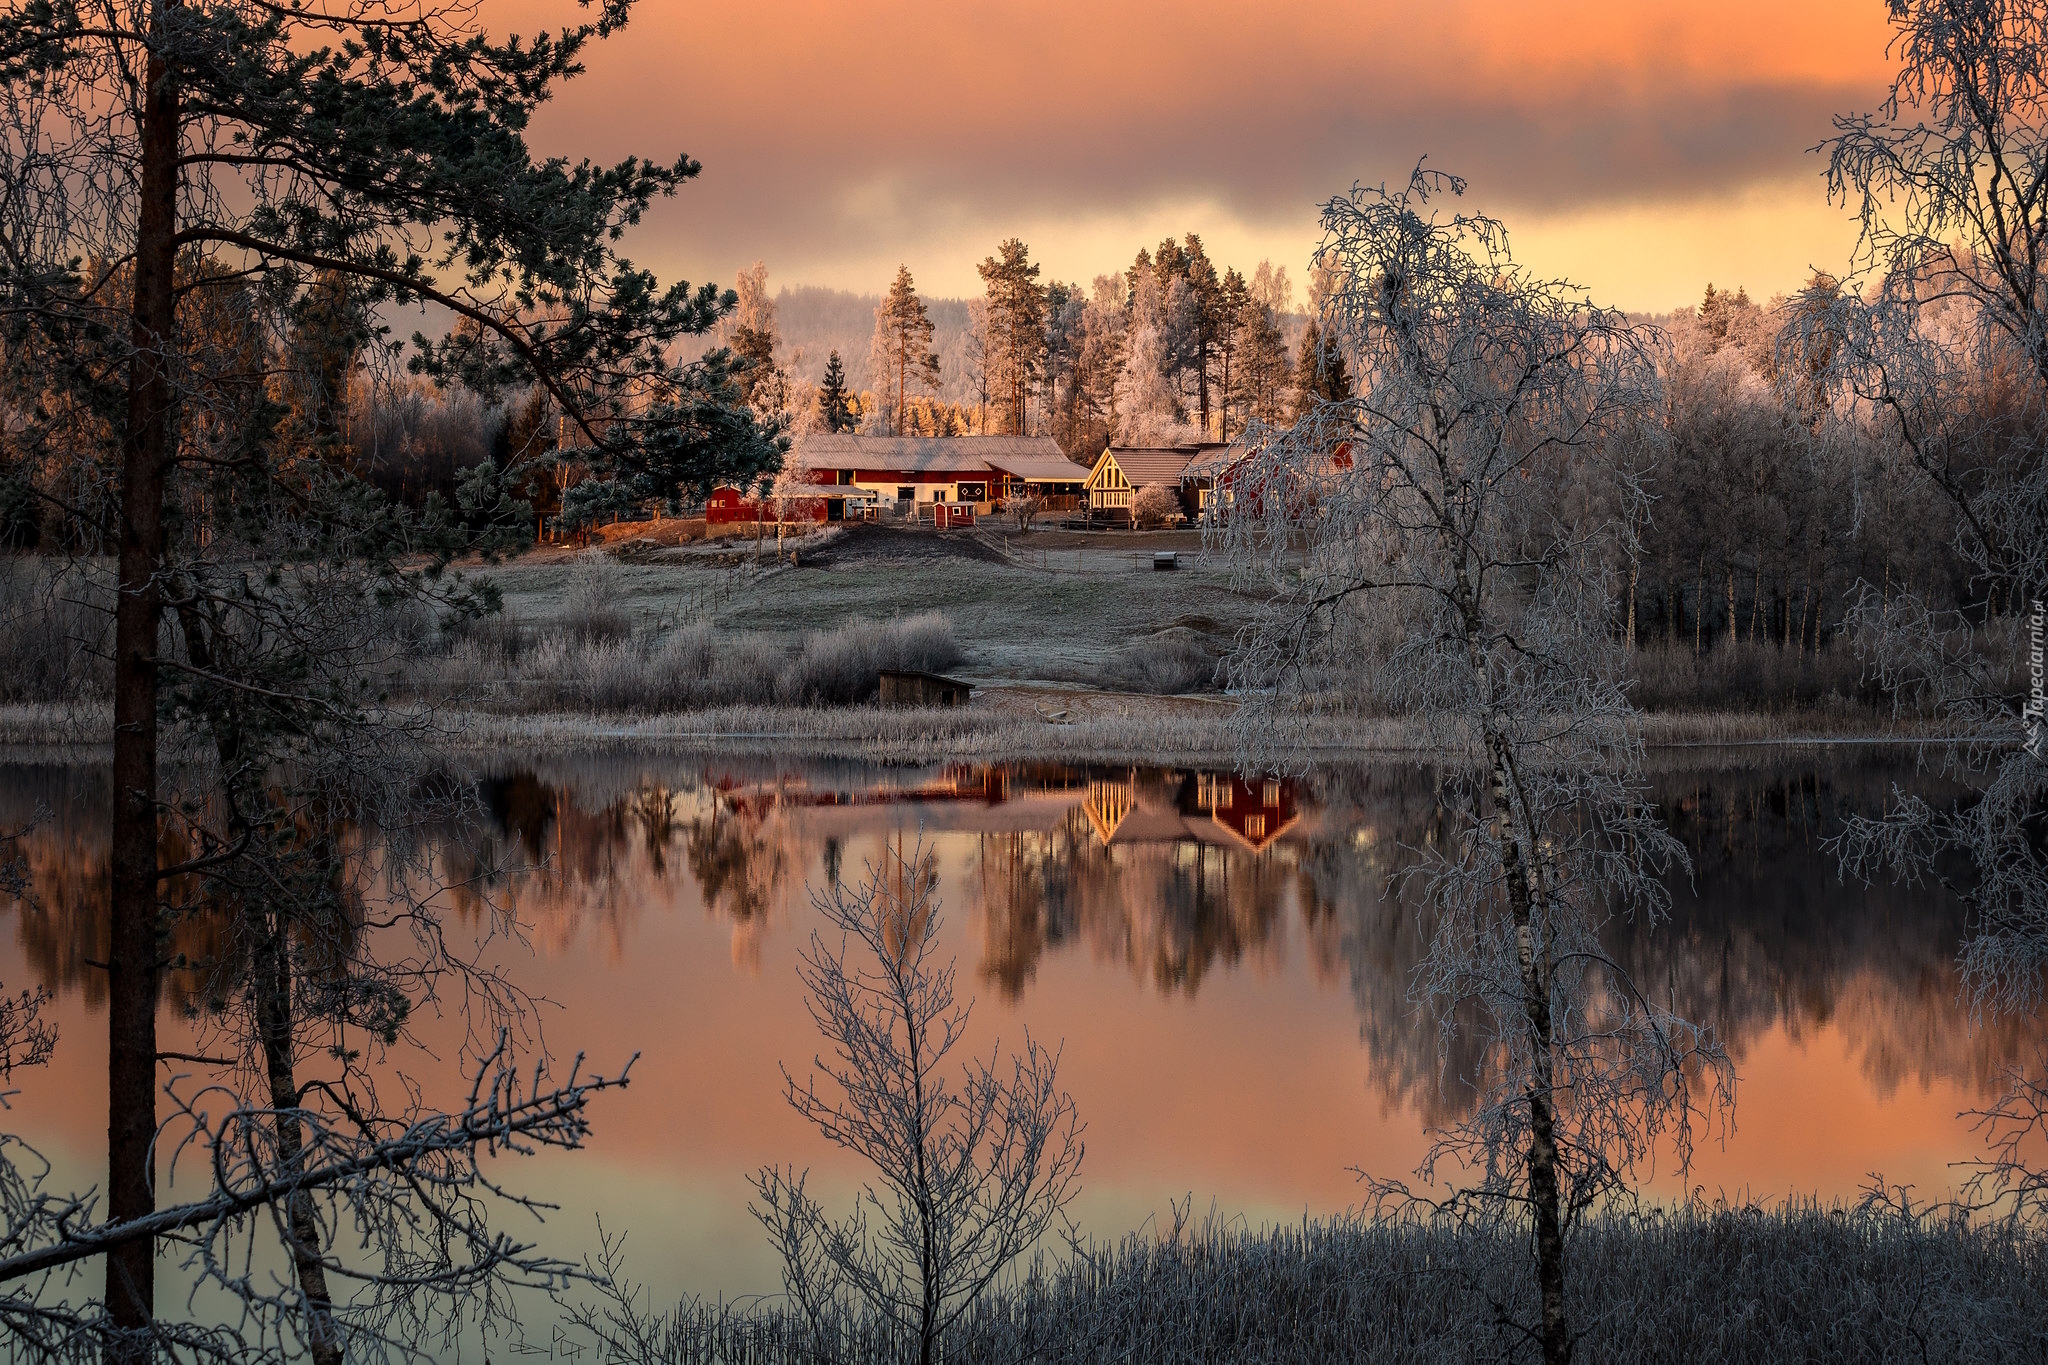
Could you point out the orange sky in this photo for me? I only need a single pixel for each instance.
(1640, 147)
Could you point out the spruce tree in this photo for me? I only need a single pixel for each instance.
(833, 408)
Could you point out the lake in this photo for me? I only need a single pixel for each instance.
(1223, 962)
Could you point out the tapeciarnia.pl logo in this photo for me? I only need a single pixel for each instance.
(2036, 714)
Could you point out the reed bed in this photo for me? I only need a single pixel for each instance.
(1796, 1282)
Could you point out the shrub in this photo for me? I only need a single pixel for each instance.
(1745, 676)
(693, 668)
(844, 666)
(1153, 504)
(592, 603)
(1171, 661)
(1696, 1285)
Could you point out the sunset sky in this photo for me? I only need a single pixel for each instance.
(1640, 147)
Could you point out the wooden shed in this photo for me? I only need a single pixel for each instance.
(904, 688)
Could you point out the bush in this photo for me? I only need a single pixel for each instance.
(1745, 676)
(592, 603)
(1153, 504)
(694, 668)
(1172, 661)
(1698, 1286)
(844, 666)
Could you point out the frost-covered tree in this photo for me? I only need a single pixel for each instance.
(901, 356)
(754, 342)
(1419, 549)
(1148, 411)
(972, 1163)
(1016, 334)
(1944, 349)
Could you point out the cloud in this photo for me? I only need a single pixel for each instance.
(836, 139)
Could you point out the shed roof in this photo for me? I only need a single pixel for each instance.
(933, 454)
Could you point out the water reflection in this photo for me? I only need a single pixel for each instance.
(1168, 876)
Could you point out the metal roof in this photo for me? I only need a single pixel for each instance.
(1055, 468)
(942, 455)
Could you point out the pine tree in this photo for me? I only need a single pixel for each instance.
(833, 408)
(1234, 302)
(358, 132)
(1714, 316)
(1016, 331)
(756, 347)
(903, 344)
(1320, 375)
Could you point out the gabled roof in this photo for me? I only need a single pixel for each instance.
(1152, 464)
(935, 454)
(1213, 460)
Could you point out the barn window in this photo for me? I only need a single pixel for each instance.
(1255, 827)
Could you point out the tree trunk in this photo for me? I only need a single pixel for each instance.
(1699, 608)
(1515, 830)
(1731, 604)
(272, 988)
(1633, 567)
(1519, 877)
(133, 951)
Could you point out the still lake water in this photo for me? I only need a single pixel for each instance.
(1223, 961)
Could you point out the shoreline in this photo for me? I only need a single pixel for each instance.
(1010, 724)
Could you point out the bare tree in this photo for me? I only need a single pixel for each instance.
(968, 1179)
(1429, 514)
(1023, 508)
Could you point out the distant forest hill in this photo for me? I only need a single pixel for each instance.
(811, 322)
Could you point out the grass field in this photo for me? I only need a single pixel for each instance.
(1057, 606)
(1075, 645)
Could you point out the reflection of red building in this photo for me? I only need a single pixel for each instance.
(1220, 809)
(1209, 808)
(1254, 811)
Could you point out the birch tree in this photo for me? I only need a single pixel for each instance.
(1944, 347)
(1427, 514)
(971, 1170)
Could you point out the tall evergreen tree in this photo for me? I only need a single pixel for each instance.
(1016, 330)
(903, 345)
(1320, 375)
(833, 408)
(1234, 301)
(287, 166)
(1259, 387)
